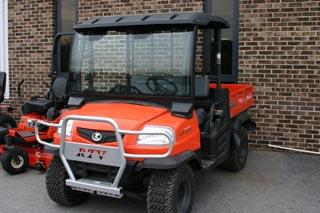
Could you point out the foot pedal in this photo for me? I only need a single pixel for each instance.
(25, 134)
(205, 163)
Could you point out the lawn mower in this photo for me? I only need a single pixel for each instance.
(139, 119)
(19, 148)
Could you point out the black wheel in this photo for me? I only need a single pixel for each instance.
(15, 161)
(7, 121)
(238, 155)
(56, 186)
(171, 191)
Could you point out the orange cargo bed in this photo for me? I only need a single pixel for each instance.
(240, 97)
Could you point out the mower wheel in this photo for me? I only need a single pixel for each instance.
(7, 121)
(171, 191)
(56, 186)
(15, 160)
(238, 156)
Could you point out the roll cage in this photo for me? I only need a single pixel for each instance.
(193, 21)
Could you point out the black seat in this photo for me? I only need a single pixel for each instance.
(38, 105)
(202, 91)
(56, 97)
(201, 115)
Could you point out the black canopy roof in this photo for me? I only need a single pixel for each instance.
(154, 20)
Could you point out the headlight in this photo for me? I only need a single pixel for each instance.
(68, 129)
(156, 139)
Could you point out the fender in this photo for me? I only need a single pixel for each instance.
(243, 119)
(171, 162)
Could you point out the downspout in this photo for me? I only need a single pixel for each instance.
(293, 149)
(4, 51)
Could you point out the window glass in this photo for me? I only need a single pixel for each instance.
(140, 63)
(225, 9)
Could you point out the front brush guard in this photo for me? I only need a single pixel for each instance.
(97, 154)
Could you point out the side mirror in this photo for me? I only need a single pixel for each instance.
(201, 86)
(61, 53)
(3, 77)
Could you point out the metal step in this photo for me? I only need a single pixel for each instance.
(205, 163)
(95, 187)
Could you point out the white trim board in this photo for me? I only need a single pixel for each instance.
(4, 61)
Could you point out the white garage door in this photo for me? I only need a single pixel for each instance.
(4, 66)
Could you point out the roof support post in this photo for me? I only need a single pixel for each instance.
(217, 48)
(208, 34)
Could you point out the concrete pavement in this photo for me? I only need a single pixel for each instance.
(271, 182)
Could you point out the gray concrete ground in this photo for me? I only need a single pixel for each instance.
(271, 182)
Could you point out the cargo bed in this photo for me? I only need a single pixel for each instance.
(241, 97)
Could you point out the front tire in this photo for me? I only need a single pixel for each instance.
(15, 161)
(171, 191)
(56, 186)
(238, 155)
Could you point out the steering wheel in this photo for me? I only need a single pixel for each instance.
(161, 86)
(124, 89)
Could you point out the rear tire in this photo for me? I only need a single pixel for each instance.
(7, 121)
(15, 161)
(238, 156)
(171, 191)
(56, 186)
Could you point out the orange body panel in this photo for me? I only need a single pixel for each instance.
(135, 117)
(240, 97)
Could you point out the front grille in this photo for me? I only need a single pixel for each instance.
(107, 136)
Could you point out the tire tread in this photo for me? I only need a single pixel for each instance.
(57, 189)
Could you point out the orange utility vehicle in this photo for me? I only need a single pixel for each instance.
(139, 119)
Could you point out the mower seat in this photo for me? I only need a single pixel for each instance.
(57, 97)
(39, 105)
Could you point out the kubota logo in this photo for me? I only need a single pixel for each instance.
(90, 153)
(97, 136)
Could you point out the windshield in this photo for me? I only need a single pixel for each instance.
(122, 63)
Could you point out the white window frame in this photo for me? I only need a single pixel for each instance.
(4, 59)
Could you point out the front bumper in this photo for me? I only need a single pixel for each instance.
(97, 154)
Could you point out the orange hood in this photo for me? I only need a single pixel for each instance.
(127, 116)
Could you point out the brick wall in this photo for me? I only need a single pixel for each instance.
(280, 56)
(99, 8)
(31, 31)
(121, 7)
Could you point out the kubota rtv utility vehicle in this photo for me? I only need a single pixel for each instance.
(139, 118)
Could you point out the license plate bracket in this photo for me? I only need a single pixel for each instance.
(102, 155)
